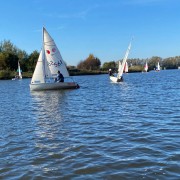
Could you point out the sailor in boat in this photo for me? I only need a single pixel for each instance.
(17, 77)
(110, 72)
(60, 77)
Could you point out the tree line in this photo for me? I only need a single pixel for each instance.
(10, 55)
(137, 64)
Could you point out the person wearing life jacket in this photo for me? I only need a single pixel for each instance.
(60, 77)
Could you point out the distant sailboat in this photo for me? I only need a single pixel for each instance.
(19, 69)
(118, 77)
(48, 64)
(146, 67)
(158, 68)
(126, 67)
(19, 76)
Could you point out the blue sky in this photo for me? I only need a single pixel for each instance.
(101, 27)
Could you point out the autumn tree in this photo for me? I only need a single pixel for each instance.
(91, 63)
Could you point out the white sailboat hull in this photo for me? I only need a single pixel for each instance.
(115, 79)
(53, 86)
(16, 78)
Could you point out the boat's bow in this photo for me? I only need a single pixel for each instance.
(115, 79)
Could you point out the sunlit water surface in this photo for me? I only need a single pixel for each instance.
(129, 130)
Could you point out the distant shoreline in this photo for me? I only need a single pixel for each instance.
(7, 75)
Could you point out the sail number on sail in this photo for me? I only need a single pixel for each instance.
(56, 64)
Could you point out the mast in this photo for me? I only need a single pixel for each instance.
(124, 61)
(119, 66)
(43, 55)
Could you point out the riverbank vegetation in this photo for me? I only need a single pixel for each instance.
(10, 55)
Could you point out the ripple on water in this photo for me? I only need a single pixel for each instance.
(100, 131)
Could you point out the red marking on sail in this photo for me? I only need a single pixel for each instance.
(53, 49)
(48, 51)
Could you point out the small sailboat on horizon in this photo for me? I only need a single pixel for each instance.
(158, 68)
(19, 76)
(119, 76)
(49, 63)
(146, 67)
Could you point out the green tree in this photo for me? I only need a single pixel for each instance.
(109, 65)
(8, 47)
(8, 61)
(171, 62)
(23, 59)
(32, 60)
(8, 55)
(152, 63)
(2, 61)
(135, 62)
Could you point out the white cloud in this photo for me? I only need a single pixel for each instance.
(144, 2)
(77, 15)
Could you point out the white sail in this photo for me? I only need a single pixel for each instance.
(126, 67)
(119, 66)
(39, 75)
(158, 67)
(53, 56)
(19, 70)
(146, 67)
(124, 61)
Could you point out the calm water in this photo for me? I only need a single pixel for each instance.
(103, 130)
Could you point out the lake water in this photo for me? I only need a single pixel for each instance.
(129, 130)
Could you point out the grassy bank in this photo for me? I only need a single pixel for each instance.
(85, 72)
(6, 74)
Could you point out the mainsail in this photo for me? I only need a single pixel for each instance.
(19, 70)
(158, 67)
(53, 56)
(126, 67)
(124, 61)
(146, 67)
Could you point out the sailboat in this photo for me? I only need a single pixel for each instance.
(49, 63)
(119, 77)
(126, 67)
(158, 68)
(19, 76)
(146, 67)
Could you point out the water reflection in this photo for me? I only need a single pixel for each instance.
(48, 107)
(46, 104)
